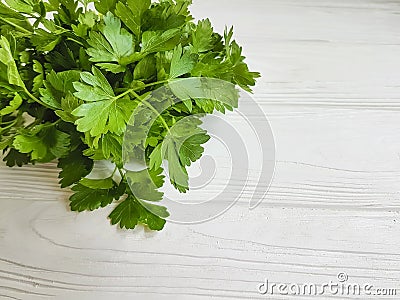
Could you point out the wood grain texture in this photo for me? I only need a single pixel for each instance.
(331, 91)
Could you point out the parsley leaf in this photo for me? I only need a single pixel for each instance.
(103, 111)
(74, 167)
(57, 86)
(7, 59)
(202, 37)
(181, 63)
(130, 212)
(16, 158)
(181, 147)
(44, 145)
(146, 68)
(113, 44)
(145, 187)
(132, 13)
(154, 41)
(14, 104)
(89, 198)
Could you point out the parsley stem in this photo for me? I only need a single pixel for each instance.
(15, 25)
(76, 41)
(9, 122)
(123, 94)
(155, 83)
(9, 126)
(127, 90)
(36, 99)
(152, 108)
(52, 124)
(143, 86)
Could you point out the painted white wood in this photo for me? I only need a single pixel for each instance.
(331, 90)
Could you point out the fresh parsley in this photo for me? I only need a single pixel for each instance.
(70, 83)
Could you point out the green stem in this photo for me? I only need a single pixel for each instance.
(9, 126)
(123, 94)
(15, 25)
(45, 125)
(76, 41)
(155, 83)
(152, 108)
(31, 15)
(36, 99)
(53, 124)
(143, 86)
(8, 122)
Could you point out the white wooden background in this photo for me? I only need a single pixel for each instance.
(331, 90)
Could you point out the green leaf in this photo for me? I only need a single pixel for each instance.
(21, 5)
(177, 173)
(132, 13)
(30, 144)
(45, 145)
(146, 68)
(181, 63)
(153, 41)
(101, 117)
(95, 87)
(16, 158)
(207, 94)
(191, 149)
(7, 59)
(181, 147)
(213, 67)
(6, 142)
(57, 86)
(105, 112)
(18, 22)
(243, 77)
(157, 210)
(68, 105)
(130, 212)
(86, 198)
(127, 214)
(144, 184)
(154, 222)
(14, 104)
(74, 167)
(101, 184)
(113, 44)
(202, 37)
(241, 74)
(44, 40)
(105, 6)
(155, 158)
(38, 79)
(113, 68)
(168, 15)
(56, 141)
(111, 146)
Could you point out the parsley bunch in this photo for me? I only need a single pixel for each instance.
(70, 82)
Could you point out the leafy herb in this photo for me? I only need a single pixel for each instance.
(70, 84)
